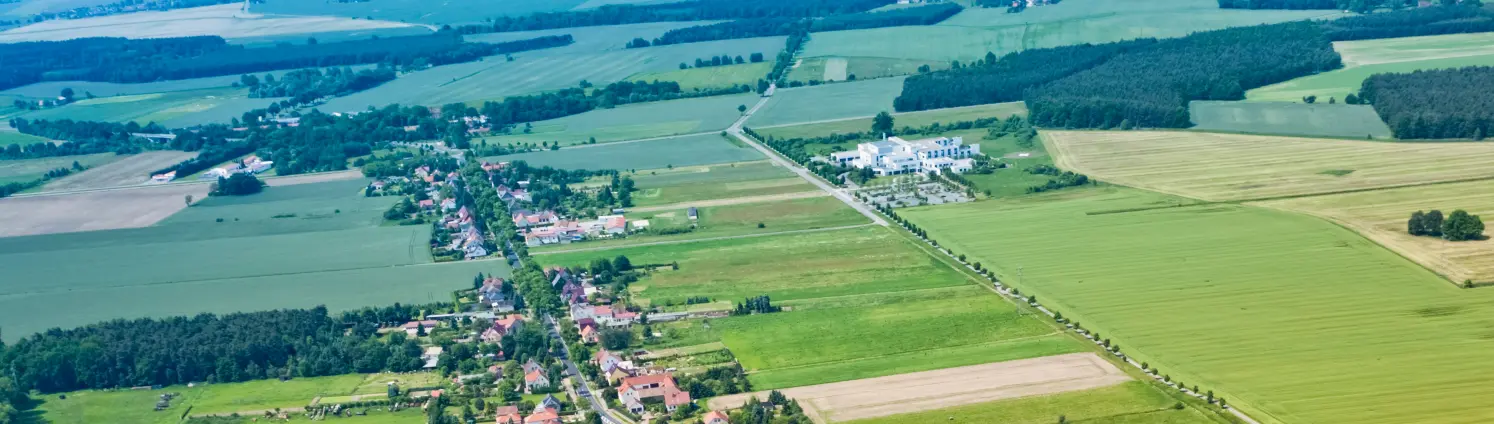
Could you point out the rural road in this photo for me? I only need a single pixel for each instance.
(585, 389)
(734, 201)
(736, 131)
(657, 243)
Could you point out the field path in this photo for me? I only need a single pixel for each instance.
(697, 240)
(929, 390)
(734, 201)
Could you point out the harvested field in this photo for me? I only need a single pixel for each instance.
(1381, 216)
(128, 171)
(737, 200)
(911, 119)
(922, 391)
(93, 211)
(686, 150)
(24, 170)
(170, 109)
(1295, 119)
(1228, 167)
(452, 12)
(1130, 402)
(784, 214)
(711, 76)
(828, 102)
(228, 20)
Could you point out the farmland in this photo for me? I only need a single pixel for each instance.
(908, 119)
(827, 102)
(32, 169)
(1131, 402)
(976, 31)
(415, 11)
(690, 150)
(707, 182)
(223, 20)
(130, 170)
(1267, 308)
(711, 76)
(1365, 58)
(170, 109)
(841, 68)
(530, 72)
(1226, 167)
(790, 212)
(225, 254)
(1308, 120)
(597, 39)
(9, 137)
(1381, 215)
(635, 121)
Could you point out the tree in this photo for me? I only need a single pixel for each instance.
(614, 339)
(393, 391)
(420, 330)
(1310, 99)
(189, 200)
(67, 94)
(741, 108)
(1416, 226)
(1460, 226)
(238, 185)
(1432, 223)
(622, 263)
(882, 124)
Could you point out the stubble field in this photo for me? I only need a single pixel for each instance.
(828, 102)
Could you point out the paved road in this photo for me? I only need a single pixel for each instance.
(585, 389)
(697, 240)
(736, 131)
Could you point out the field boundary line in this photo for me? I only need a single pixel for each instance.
(704, 239)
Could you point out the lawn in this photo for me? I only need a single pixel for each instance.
(1381, 216)
(171, 109)
(1291, 318)
(709, 182)
(252, 260)
(733, 220)
(1229, 167)
(857, 99)
(634, 121)
(689, 150)
(21, 170)
(495, 78)
(711, 76)
(1125, 403)
(1298, 119)
(1369, 57)
(908, 119)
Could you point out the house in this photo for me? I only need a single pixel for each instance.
(633, 391)
(532, 366)
(572, 293)
(502, 327)
(427, 204)
(894, 155)
(613, 224)
(548, 416)
(534, 381)
(526, 219)
(448, 204)
(412, 328)
(589, 334)
(549, 402)
(715, 417)
(605, 359)
(432, 357)
(692, 213)
(163, 178)
(510, 418)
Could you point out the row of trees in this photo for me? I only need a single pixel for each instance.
(778, 26)
(1433, 104)
(697, 10)
(1458, 226)
(723, 60)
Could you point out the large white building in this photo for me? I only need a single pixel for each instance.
(894, 156)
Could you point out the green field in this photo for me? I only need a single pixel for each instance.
(696, 183)
(1132, 402)
(1299, 119)
(596, 39)
(15, 137)
(687, 150)
(908, 119)
(1291, 318)
(635, 121)
(711, 76)
(451, 12)
(863, 68)
(854, 99)
(22, 170)
(332, 252)
(542, 70)
(170, 109)
(976, 31)
(733, 220)
(1342, 82)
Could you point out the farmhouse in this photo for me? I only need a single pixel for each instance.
(897, 156)
(633, 391)
(547, 416)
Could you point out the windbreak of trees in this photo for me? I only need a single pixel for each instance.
(993, 80)
(778, 26)
(1432, 104)
(672, 12)
(1151, 87)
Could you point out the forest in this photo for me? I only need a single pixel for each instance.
(1463, 18)
(698, 10)
(993, 80)
(777, 26)
(1434, 104)
(131, 61)
(306, 85)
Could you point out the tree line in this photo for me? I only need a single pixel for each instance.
(1465, 17)
(698, 10)
(1433, 104)
(123, 6)
(304, 86)
(722, 60)
(993, 80)
(779, 26)
(1357, 6)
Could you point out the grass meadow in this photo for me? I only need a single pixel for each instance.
(21, 170)
(1131, 402)
(293, 246)
(1229, 167)
(16, 137)
(689, 150)
(1289, 317)
(710, 182)
(711, 76)
(1297, 119)
(835, 68)
(170, 109)
(1369, 57)
(635, 121)
(732, 220)
(908, 119)
(856, 99)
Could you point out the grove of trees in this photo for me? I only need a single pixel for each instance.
(1457, 226)
(1433, 104)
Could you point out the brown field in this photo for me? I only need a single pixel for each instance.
(1381, 216)
(1227, 167)
(929, 390)
(131, 170)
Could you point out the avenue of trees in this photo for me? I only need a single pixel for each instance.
(1433, 104)
(673, 12)
(1457, 226)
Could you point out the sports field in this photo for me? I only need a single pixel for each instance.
(1381, 216)
(708, 182)
(1299, 119)
(228, 20)
(171, 109)
(1131, 402)
(1289, 317)
(128, 170)
(828, 102)
(494, 78)
(778, 214)
(291, 246)
(690, 150)
(908, 119)
(711, 76)
(972, 33)
(635, 121)
(22, 170)
(1369, 57)
(1229, 167)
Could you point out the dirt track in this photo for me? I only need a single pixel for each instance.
(923, 391)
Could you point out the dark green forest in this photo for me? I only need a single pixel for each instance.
(1432, 104)
(993, 80)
